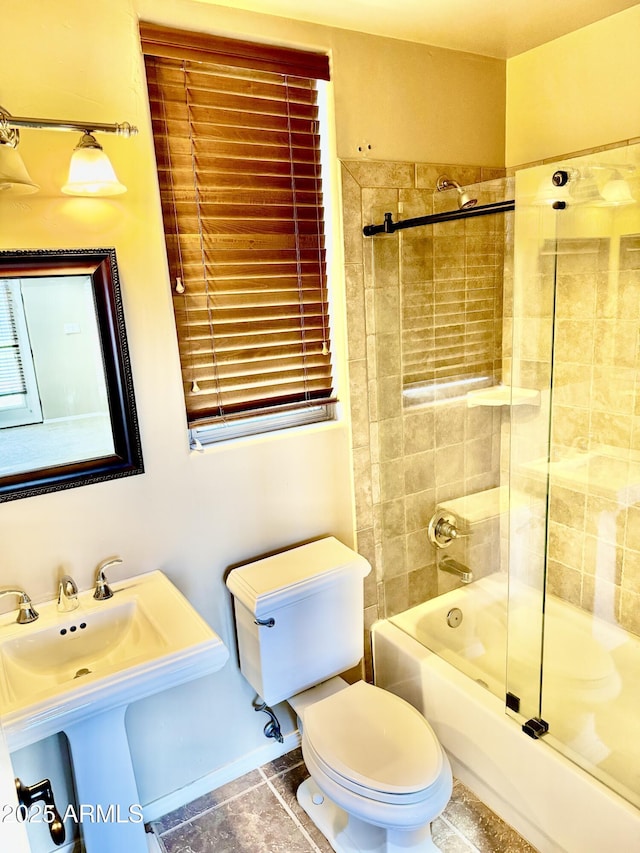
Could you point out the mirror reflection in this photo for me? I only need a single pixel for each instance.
(67, 412)
(53, 395)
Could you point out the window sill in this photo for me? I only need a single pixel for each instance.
(222, 436)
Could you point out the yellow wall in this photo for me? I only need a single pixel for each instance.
(576, 92)
(409, 101)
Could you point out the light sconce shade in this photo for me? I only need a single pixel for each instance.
(584, 189)
(549, 193)
(616, 191)
(91, 172)
(14, 178)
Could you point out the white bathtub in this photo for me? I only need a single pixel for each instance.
(549, 799)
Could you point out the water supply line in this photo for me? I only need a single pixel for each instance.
(272, 727)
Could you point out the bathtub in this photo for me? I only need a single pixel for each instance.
(458, 683)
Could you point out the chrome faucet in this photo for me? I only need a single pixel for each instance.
(103, 591)
(67, 594)
(26, 611)
(453, 567)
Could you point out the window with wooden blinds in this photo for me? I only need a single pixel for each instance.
(237, 139)
(12, 382)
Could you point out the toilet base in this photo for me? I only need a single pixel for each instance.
(347, 834)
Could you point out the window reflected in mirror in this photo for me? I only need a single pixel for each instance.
(67, 409)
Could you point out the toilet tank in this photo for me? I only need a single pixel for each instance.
(299, 616)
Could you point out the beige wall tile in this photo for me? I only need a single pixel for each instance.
(602, 560)
(419, 472)
(605, 519)
(389, 397)
(572, 385)
(631, 571)
(630, 611)
(418, 430)
(422, 584)
(564, 582)
(419, 509)
(566, 545)
(420, 552)
(390, 439)
(396, 595)
(569, 425)
(370, 173)
(632, 539)
(356, 331)
(393, 518)
(611, 428)
(449, 424)
(388, 355)
(359, 403)
(352, 217)
(392, 479)
(614, 389)
(449, 465)
(601, 598)
(568, 507)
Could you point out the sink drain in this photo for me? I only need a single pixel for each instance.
(454, 617)
(81, 672)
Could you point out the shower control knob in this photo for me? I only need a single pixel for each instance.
(443, 530)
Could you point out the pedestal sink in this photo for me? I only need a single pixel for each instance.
(77, 672)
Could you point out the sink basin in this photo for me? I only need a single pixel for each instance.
(102, 655)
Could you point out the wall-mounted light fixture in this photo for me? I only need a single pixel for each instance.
(90, 170)
(616, 191)
(579, 186)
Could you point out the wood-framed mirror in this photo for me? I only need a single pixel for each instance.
(67, 406)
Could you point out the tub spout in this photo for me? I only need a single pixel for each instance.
(453, 567)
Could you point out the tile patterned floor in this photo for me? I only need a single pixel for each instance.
(259, 813)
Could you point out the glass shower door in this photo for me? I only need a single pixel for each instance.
(531, 371)
(574, 620)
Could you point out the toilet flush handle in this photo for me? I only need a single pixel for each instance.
(266, 623)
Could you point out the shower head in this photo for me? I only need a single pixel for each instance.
(464, 199)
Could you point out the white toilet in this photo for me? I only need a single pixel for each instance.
(378, 773)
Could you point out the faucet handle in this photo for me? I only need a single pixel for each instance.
(443, 530)
(103, 590)
(26, 611)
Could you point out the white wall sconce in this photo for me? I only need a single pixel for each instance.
(90, 171)
(616, 192)
(579, 186)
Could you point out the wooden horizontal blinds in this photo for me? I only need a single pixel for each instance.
(202, 47)
(238, 159)
(11, 372)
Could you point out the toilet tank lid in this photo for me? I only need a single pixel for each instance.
(265, 585)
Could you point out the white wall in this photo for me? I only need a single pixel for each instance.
(576, 92)
(193, 515)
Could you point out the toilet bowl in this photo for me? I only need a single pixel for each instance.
(373, 760)
(378, 775)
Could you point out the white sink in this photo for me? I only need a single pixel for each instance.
(57, 669)
(77, 673)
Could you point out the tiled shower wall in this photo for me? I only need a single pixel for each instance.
(407, 460)
(593, 534)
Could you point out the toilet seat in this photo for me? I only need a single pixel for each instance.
(373, 743)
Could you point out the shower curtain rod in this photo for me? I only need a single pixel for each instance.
(388, 226)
